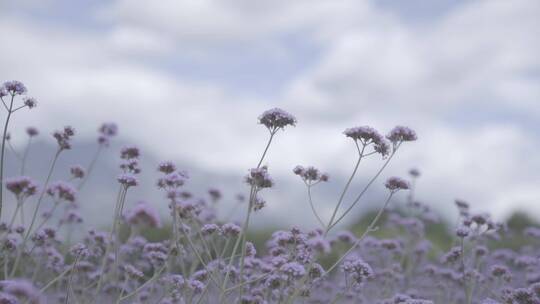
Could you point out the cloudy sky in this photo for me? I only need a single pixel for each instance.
(187, 79)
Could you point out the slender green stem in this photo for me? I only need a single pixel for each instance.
(90, 168)
(2, 153)
(59, 277)
(241, 238)
(369, 229)
(25, 155)
(313, 207)
(109, 246)
(199, 257)
(347, 185)
(34, 215)
(357, 199)
(152, 279)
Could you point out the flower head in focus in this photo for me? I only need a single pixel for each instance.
(276, 118)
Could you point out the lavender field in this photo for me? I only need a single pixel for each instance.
(270, 152)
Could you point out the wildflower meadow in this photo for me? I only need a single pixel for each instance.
(205, 258)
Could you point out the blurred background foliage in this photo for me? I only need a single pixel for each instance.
(439, 234)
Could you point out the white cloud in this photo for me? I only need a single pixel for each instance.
(466, 82)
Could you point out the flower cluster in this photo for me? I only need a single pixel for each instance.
(367, 136)
(310, 174)
(106, 132)
(63, 137)
(22, 186)
(275, 119)
(259, 178)
(62, 191)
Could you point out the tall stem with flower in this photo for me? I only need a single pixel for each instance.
(11, 89)
(274, 120)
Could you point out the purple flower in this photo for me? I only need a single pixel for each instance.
(167, 167)
(367, 135)
(215, 194)
(231, 229)
(462, 232)
(209, 229)
(143, 214)
(364, 134)
(30, 102)
(310, 174)
(22, 186)
(63, 138)
(14, 87)
(293, 269)
(172, 180)
(357, 270)
(130, 152)
(396, 183)
(77, 171)
(133, 272)
(128, 180)
(62, 191)
(276, 118)
(196, 286)
(400, 134)
(22, 290)
(414, 172)
(106, 132)
(32, 131)
(259, 178)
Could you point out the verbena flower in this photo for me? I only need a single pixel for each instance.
(368, 136)
(396, 183)
(14, 87)
(23, 290)
(143, 214)
(358, 270)
(400, 134)
(167, 167)
(32, 131)
(293, 269)
(128, 180)
(130, 152)
(22, 186)
(63, 138)
(310, 174)
(62, 191)
(259, 178)
(106, 132)
(30, 102)
(276, 118)
(77, 171)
